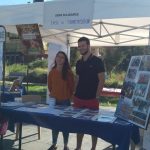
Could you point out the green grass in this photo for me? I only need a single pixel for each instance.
(41, 90)
(37, 89)
(15, 68)
(109, 101)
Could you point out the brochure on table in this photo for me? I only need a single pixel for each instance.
(134, 102)
(63, 111)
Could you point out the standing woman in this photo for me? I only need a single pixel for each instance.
(61, 85)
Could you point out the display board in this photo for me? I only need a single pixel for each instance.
(134, 102)
(31, 38)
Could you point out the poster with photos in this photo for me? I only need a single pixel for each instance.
(31, 38)
(134, 102)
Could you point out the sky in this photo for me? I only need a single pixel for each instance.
(14, 2)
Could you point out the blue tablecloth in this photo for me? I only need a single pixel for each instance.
(118, 133)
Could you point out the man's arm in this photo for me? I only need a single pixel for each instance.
(101, 77)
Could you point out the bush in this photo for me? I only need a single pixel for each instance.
(38, 75)
(115, 80)
(34, 78)
(15, 68)
(38, 64)
(37, 71)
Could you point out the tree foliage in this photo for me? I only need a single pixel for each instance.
(74, 56)
(117, 58)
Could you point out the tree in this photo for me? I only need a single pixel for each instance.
(74, 56)
(118, 58)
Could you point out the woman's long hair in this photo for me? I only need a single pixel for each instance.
(66, 66)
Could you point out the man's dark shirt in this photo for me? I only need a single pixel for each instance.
(88, 77)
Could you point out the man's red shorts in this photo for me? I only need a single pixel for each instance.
(80, 103)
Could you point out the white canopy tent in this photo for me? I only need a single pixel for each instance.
(115, 23)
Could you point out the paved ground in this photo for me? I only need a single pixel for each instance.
(30, 140)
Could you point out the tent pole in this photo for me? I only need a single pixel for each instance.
(3, 36)
(149, 36)
(68, 46)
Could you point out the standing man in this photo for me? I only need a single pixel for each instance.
(89, 83)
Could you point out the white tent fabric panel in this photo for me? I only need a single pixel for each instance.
(129, 24)
(109, 32)
(21, 14)
(110, 9)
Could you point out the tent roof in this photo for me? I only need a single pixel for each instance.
(115, 23)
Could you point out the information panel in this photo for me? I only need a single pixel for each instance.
(134, 102)
(31, 38)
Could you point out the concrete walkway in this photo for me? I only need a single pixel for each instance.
(30, 140)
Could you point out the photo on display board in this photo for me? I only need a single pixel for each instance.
(134, 102)
(145, 63)
(131, 74)
(140, 90)
(128, 89)
(148, 94)
(135, 61)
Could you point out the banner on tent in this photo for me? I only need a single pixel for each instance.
(134, 102)
(68, 14)
(31, 38)
(53, 49)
